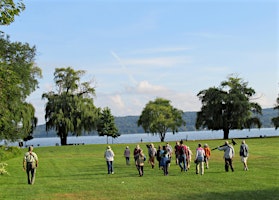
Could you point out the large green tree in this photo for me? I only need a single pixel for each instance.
(275, 120)
(160, 116)
(106, 125)
(71, 109)
(9, 9)
(228, 107)
(18, 79)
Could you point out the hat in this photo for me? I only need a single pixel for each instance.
(108, 147)
(205, 145)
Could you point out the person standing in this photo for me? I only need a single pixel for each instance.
(243, 152)
(207, 152)
(136, 152)
(127, 155)
(140, 162)
(30, 163)
(165, 160)
(176, 150)
(158, 155)
(199, 160)
(228, 155)
(109, 156)
(190, 153)
(152, 154)
(182, 157)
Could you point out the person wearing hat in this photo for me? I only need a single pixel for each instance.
(228, 155)
(127, 155)
(109, 156)
(30, 163)
(207, 155)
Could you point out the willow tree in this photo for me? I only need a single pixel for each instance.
(106, 125)
(275, 120)
(18, 79)
(71, 109)
(228, 107)
(160, 116)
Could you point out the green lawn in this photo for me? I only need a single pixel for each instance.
(79, 172)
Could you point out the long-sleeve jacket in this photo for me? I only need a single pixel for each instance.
(228, 151)
(109, 155)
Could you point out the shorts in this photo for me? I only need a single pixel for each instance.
(244, 159)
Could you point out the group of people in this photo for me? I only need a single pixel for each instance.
(183, 157)
(163, 155)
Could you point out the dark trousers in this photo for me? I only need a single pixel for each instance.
(140, 168)
(228, 163)
(110, 167)
(30, 173)
(183, 162)
(127, 160)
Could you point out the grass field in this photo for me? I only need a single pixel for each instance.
(79, 172)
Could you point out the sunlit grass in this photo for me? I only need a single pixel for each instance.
(79, 172)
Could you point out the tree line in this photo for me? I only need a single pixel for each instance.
(70, 108)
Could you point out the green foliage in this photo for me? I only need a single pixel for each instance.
(159, 116)
(79, 172)
(9, 9)
(71, 109)
(106, 125)
(18, 79)
(228, 107)
(3, 169)
(9, 152)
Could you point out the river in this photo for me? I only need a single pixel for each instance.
(144, 137)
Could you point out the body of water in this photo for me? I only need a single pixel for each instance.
(137, 138)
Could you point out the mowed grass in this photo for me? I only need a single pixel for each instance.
(80, 172)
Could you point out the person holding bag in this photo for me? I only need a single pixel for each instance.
(30, 163)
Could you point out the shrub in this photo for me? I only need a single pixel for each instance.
(2, 169)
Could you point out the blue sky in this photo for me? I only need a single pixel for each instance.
(135, 51)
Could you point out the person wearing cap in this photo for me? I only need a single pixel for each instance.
(109, 156)
(30, 163)
(228, 155)
(127, 155)
(207, 155)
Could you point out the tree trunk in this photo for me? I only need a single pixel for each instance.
(162, 136)
(63, 140)
(226, 133)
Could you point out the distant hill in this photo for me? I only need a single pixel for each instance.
(128, 124)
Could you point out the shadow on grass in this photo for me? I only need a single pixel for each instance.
(234, 195)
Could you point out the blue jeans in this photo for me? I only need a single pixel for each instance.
(110, 167)
(182, 162)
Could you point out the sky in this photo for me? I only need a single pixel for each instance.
(134, 51)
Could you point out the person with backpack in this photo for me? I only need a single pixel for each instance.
(30, 163)
(243, 152)
(182, 157)
(140, 162)
(165, 160)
